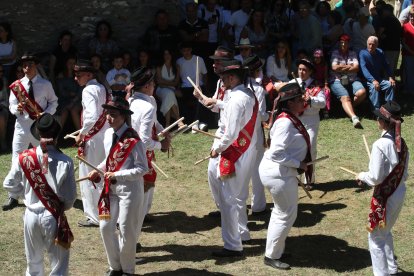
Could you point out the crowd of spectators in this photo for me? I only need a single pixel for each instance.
(280, 32)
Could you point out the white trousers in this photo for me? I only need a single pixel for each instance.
(126, 200)
(142, 212)
(381, 246)
(258, 193)
(312, 126)
(149, 195)
(226, 193)
(95, 154)
(39, 234)
(284, 192)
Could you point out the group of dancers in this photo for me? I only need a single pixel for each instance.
(119, 136)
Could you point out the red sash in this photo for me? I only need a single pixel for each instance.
(384, 190)
(32, 108)
(95, 129)
(230, 156)
(151, 176)
(221, 91)
(33, 172)
(312, 90)
(116, 158)
(302, 130)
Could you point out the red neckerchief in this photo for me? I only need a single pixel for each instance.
(384, 190)
(312, 90)
(116, 158)
(230, 156)
(221, 91)
(95, 129)
(22, 96)
(302, 130)
(33, 172)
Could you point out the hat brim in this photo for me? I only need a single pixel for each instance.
(54, 130)
(306, 63)
(123, 111)
(243, 46)
(34, 59)
(379, 115)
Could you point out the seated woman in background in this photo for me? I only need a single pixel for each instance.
(4, 110)
(96, 61)
(167, 79)
(279, 64)
(69, 94)
(8, 52)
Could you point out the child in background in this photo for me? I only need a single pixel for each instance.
(321, 75)
(118, 77)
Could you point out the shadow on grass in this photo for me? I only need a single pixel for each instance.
(179, 221)
(336, 185)
(326, 252)
(311, 214)
(198, 253)
(78, 204)
(187, 271)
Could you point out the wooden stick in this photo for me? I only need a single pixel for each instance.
(206, 133)
(82, 179)
(304, 188)
(202, 160)
(170, 127)
(349, 171)
(197, 73)
(190, 125)
(89, 164)
(158, 169)
(197, 88)
(318, 160)
(366, 146)
(72, 135)
(178, 131)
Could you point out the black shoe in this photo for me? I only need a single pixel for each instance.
(224, 253)
(87, 223)
(148, 218)
(114, 273)
(248, 242)
(11, 204)
(138, 248)
(215, 214)
(276, 264)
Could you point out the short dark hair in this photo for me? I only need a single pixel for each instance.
(107, 24)
(7, 27)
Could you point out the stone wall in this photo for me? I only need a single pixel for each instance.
(36, 24)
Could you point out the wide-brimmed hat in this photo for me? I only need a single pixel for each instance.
(142, 76)
(84, 65)
(289, 91)
(120, 104)
(390, 110)
(46, 126)
(253, 63)
(223, 53)
(232, 65)
(306, 62)
(29, 56)
(244, 43)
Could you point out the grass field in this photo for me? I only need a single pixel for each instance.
(328, 237)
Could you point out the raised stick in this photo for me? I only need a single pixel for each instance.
(196, 88)
(349, 171)
(82, 179)
(197, 73)
(304, 188)
(72, 135)
(202, 160)
(158, 169)
(318, 160)
(366, 146)
(170, 127)
(206, 133)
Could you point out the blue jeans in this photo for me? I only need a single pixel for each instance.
(385, 94)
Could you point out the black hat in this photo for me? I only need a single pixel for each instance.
(47, 125)
(29, 56)
(84, 65)
(289, 91)
(142, 76)
(306, 62)
(223, 53)
(229, 66)
(253, 63)
(388, 111)
(120, 104)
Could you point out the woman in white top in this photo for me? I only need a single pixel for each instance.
(168, 77)
(8, 52)
(279, 64)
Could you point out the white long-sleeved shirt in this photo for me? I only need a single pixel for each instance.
(60, 177)
(93, 97)
(384, 157)
(236, 114)
(144, 118)
(43, 94)
(287, 148)
(280, 73)
(134, 167)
